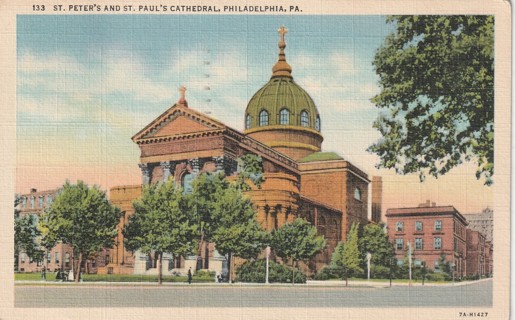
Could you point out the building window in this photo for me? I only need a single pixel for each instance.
(357, 194)
(48, 200)
(284, 116)
(247, 121)
(263, 118)
(22, 258)
(24, 202)
(438, 225)
(187, 183)
(437, 266)
(438, 243)
(399, 226)
(418, 226)
(32, 202)
(66, 257)
(399, 244)
(40, 201)
(48, 257)
(304, 119)
(317, 123)
(419, 244)
(56, 258)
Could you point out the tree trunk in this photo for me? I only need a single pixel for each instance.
(159, 256)
(229, 266)
(293, 271)
(77, 274)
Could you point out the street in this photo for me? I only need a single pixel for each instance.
(237, 295)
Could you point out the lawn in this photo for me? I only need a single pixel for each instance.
(115, 278)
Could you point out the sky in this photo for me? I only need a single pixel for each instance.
(87, 83)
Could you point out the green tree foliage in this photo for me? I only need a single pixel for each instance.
(250, 169)
(352, 260)
(437, 95)
(224, 215)
(337, 256)
(375, 241)
(82, 217)
(162, 223)
(26, 234)
(255, 271)
(297, 240)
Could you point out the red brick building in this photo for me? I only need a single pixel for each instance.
(34, 203)
(431, 231)
(477, 254)
(283, 127)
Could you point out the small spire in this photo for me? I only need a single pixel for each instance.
(281, 67)
(182, 100)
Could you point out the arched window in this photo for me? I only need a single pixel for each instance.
(187, 183)
(247, 121)
(263, 118)
(317, 123)
(357, 194)
(284, 116)
(304, 119)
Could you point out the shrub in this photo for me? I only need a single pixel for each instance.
(436, 277)
(205, 274)
(329, 272)
(379, 272)
(255, 271)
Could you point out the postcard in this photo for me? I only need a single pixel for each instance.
(254, 160)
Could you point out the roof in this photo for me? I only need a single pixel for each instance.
(321, 156)
(425, 211)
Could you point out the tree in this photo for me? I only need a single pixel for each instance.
(82, 217)
(161, 223)
(437, 95)
(238, 233)
(224, 215)
(26, 234)
(298, 241)
(351, 256)
(375, 241)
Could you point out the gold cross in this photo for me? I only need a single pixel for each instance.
(282, 31)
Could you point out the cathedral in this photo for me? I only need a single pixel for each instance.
(282, 126)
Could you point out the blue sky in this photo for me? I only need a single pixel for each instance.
(87, 83)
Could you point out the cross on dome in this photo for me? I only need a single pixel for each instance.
(282, 32)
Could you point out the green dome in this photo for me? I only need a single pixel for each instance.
(282, 102)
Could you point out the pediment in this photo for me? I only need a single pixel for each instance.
(178, 121)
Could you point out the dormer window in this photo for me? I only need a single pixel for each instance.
(317, 123)
(263, 118)
(284, 116)
(304, 119)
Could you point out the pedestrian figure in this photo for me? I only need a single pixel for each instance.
(190, 276)
(58, 275)
(43, 273)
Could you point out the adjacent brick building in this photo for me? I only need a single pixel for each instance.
(34, 203)
(432, 231)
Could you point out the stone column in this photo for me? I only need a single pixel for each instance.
(168, 169)
(145, 172)
(195, 166)
(226, 163)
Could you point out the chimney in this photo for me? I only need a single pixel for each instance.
(425, 205)
(377, 198)
(433, 204)
(33, 190)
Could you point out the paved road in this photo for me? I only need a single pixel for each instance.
(301, 296)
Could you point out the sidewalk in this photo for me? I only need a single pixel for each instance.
(309, 283)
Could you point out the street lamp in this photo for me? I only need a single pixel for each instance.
(267, 250)
(453, 265)
(369, 256)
